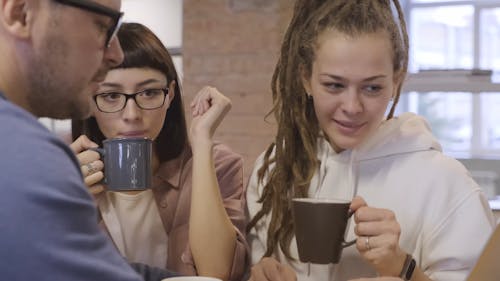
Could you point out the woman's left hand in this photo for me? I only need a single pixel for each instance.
(208, 107)
(378, 234)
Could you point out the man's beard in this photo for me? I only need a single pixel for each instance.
(51, 91)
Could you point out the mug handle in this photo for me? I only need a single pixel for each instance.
(352, 242)
(347, 244)
(102, 153)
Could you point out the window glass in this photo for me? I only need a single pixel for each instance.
(490, 59)
(490, 41)
(449, 116)
(490, 116)
(441, 37)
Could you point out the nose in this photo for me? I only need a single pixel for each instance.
(113, 55)
(131, 111)
(352, 103)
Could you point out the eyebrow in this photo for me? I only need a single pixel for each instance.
(140, 84)
(336, 77)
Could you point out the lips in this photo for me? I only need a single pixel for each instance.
(130, 134)
(348, 127)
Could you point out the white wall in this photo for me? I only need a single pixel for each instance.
(163, 17)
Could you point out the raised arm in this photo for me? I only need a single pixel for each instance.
(212, 236)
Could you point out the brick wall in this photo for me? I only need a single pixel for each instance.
(233, 45)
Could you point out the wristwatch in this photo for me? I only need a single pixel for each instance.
(408, 268)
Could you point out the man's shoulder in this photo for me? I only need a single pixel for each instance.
(22, 133)
(17, 123)
(11, 111)
(31, 154)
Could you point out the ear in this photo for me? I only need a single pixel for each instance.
(171, 90)
(15, 16)
(306, 82)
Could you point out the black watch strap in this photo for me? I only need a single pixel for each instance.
(408, 268)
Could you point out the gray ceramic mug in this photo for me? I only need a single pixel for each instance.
(127, 163)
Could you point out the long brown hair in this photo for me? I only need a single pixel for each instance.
(142, 49)
(294, 149)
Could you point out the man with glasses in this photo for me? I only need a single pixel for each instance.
(53, 54)
(116, 16)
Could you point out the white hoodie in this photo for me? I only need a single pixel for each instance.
(444, 217)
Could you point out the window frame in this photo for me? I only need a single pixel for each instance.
(420, 84)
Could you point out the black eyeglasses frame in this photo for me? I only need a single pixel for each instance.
(97, 8)
(131, 96)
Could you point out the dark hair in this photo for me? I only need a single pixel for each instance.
(295, 145)
(142, 49)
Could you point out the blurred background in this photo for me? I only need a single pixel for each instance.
(233, 45)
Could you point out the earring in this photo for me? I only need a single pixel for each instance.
(309, 96)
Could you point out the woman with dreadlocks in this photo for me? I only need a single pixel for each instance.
(418, 214)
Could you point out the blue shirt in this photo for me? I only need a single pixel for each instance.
(48, 220)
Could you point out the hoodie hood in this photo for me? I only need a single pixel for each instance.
(402, 134)
(406, 133)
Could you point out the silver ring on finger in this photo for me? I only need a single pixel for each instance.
(90, 169)
(367, 244)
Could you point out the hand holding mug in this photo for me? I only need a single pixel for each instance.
(378, 234)
(208, 107)
(90, 164)
(269, 269)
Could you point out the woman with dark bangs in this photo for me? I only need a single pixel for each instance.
(192, 219)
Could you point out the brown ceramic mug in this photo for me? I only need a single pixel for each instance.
(320, 226)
